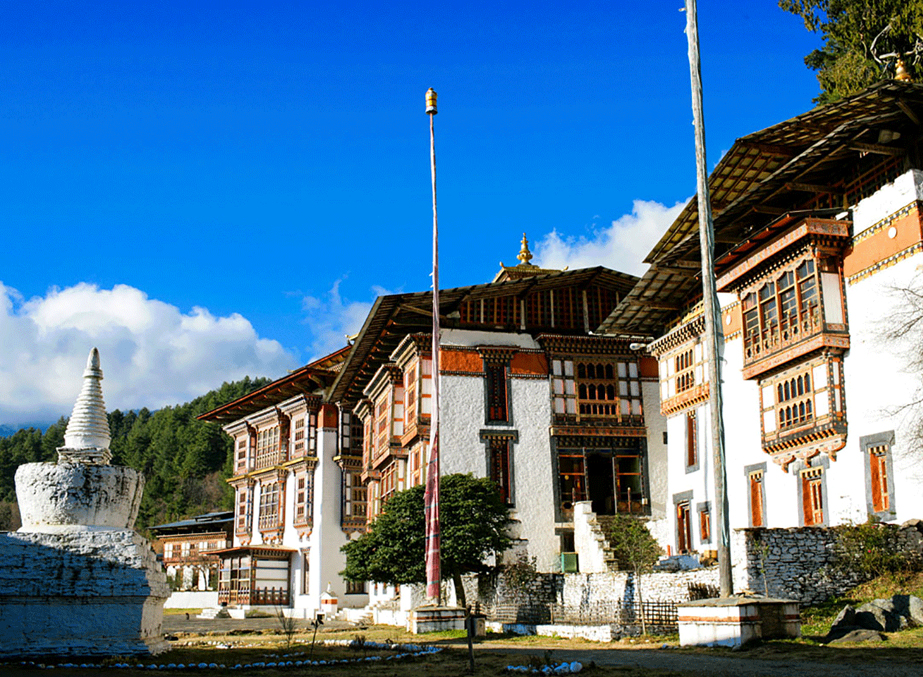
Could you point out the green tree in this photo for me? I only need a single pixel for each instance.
(862, 39)
(474, 520)
(635, 549)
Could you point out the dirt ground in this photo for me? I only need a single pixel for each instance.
(662, 658)
(246, 641)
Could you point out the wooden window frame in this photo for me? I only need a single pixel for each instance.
(756, 495)
(801, 398)
(499, 460)
(813, 496)
(304, 498)
(500, 466)
(497, 385)
(271, 494)
(683, 508)
(691, 440)
(877, 450)
(766, 329)
(705, 525)
(268, 446)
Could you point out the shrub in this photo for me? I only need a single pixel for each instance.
(870, 549)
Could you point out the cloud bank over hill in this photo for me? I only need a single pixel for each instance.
(622, 246)
(152, 353)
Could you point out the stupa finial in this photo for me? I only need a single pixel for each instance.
(524, 256)
(87, 437)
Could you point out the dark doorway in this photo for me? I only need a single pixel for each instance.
(600, 483)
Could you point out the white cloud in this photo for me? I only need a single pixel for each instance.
(332, 318)
(152, 353)
(622, 246)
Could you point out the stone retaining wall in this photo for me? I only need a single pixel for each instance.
(798, 563)
(583, 598)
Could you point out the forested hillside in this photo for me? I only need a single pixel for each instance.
(184, 461)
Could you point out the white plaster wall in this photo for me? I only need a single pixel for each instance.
(657, 451)
(327, 536)
(200, 599)
(697, 481)
(888, 199)
(466, 337)
(463, 451)
(591, 557)
(462, 418)
(877, 384)
(533, 471)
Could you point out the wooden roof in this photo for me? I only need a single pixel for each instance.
(780, 170)
(394, 317)
(310, 379)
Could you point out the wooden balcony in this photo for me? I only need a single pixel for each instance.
(790, 338)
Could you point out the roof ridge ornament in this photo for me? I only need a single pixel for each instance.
(87, 437)
(525, 256)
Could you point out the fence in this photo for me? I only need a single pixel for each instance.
(659, 616)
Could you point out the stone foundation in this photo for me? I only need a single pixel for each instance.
(80, 593)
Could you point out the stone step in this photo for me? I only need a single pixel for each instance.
(213, 613)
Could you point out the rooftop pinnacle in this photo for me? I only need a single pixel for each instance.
(88, 428)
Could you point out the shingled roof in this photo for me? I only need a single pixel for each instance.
(802, 165)
(394, 317)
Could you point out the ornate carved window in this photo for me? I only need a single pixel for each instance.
(600, 388)
(268, 447)
(298, 436)
(354, 494)
(785, 310)
(304, 499)
(804, 410)
(270, 494)
(241, 454)
(243, 510)
(410, 397)
(497, 392)
(683, 370)
(350, 433)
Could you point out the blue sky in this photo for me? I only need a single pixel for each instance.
(211, 189)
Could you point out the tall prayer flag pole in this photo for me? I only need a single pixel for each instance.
(712, 309)
(431, 496)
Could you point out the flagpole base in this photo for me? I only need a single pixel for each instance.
(435, 618)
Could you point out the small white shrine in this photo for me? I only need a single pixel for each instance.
(76, 579)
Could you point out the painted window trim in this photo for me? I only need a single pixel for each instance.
(798, 467)
(866, 443)
(748, 471)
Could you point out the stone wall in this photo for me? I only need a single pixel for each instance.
(585, 598)
(797, 563)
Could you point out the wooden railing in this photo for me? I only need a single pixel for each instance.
(788, 331)
(254, 597)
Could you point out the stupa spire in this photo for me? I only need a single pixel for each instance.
(87, 437)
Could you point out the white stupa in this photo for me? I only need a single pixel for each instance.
(78, 580)
(87, 437)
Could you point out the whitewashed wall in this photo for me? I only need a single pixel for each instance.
(876, 385)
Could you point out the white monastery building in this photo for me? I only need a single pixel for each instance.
(818, 228)
(584, 393)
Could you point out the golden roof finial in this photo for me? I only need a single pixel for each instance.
(900, 71)
(524, 255)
